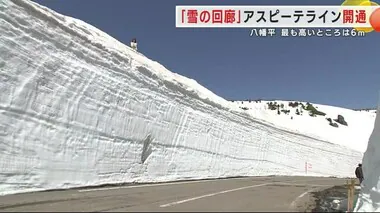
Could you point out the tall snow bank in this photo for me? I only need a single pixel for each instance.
(79, 108)
(369, 198)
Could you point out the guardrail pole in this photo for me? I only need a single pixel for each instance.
(348, 196)
(352, 193)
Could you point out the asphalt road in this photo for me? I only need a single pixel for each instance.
(236, 194)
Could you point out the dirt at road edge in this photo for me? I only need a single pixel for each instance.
(321, 200)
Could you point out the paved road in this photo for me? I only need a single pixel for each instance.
(236, 194)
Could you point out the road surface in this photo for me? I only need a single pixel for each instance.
(235, 194)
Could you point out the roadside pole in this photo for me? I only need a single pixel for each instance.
(350, 195)
(307, 167)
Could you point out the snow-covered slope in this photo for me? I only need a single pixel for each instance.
(354, 135)
(79, 108)
(369, 197)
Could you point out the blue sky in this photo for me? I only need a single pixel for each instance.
(337, 71)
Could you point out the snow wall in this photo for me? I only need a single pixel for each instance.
(369, 198)
(78, 108)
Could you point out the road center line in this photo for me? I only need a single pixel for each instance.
(299, 184)
(292, 205)
(212, 194)
(175, 183)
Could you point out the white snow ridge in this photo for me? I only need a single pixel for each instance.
(79, 108)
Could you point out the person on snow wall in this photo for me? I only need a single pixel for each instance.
(134, 44)
(359, 173)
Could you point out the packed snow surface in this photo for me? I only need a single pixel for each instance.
(369, 198)
(79, 108)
